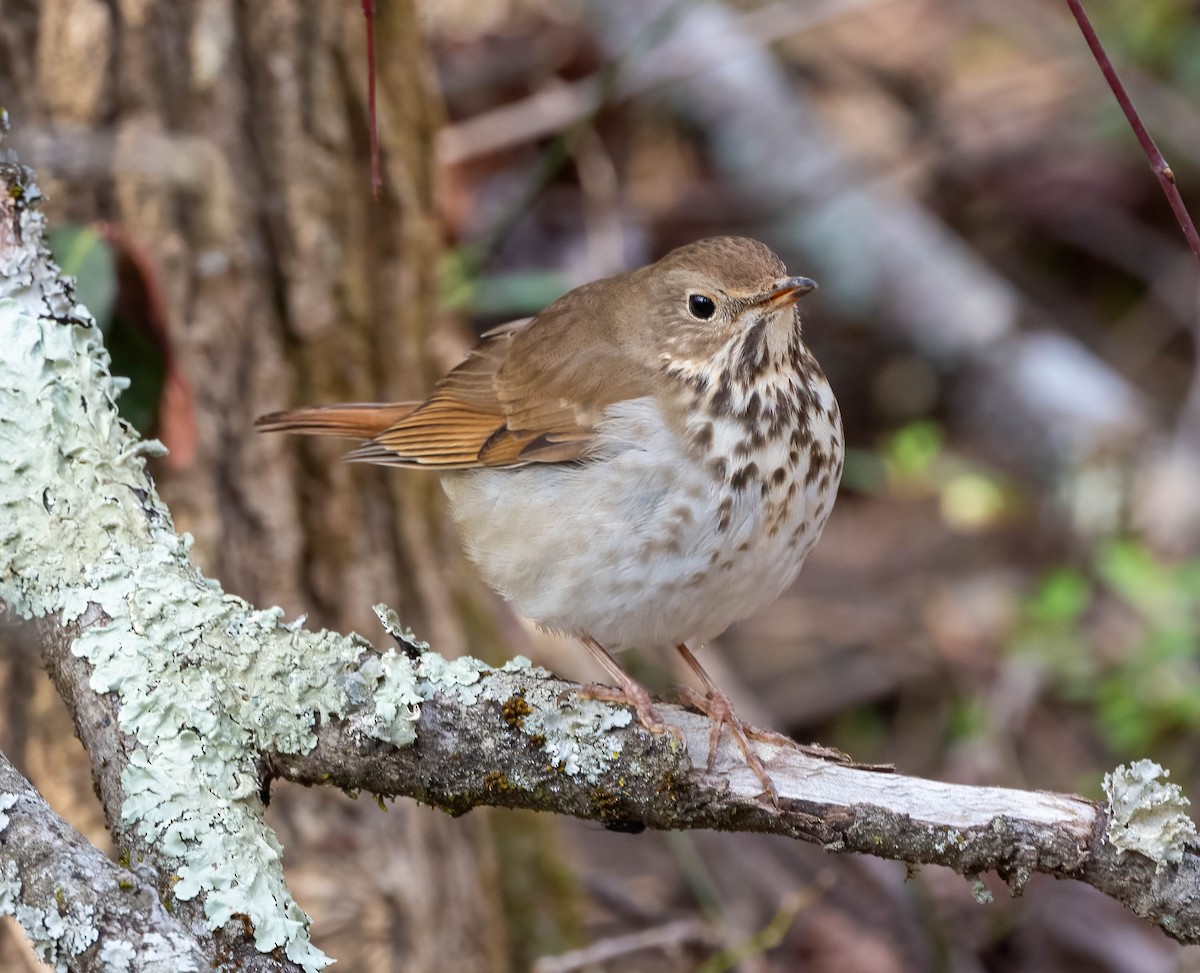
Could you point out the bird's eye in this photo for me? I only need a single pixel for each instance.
(701, 307)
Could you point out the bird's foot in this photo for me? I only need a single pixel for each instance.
(718, 708)
(633, 696)
(631, 692)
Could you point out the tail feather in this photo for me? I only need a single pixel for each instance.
(352, 420)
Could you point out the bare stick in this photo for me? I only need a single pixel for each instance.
(368, 7)
(1166, 178)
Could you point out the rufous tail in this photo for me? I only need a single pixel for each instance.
(351, 420)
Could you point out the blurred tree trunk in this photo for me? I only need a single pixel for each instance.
(226, 141)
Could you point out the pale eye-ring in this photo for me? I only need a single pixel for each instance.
(701, 306)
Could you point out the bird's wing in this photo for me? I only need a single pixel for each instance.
(530, 392)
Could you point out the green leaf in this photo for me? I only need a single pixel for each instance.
(913, 449)
(1061, 599)
(1135, 575)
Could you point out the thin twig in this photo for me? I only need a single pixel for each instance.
(669, 938)
(368, 7)
(1166, 178)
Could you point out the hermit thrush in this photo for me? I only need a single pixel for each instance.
(647, 461)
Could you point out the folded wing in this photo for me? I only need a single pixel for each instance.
(531, 392)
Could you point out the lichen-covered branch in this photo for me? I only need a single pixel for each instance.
(487, 746)
(191, 701)
(80, 910)
(160, 668)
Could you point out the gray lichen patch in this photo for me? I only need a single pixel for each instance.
(58, 932)
(1146, 814)
(10, 888)
(57, 936)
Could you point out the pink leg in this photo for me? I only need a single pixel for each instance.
(717, 707)
(630, 693)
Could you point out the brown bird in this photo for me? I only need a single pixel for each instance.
(647, 461)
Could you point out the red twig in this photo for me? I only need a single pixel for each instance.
(376, 170)
(1166, 177)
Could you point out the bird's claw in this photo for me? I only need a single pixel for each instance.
(639, 701)
(718, 708)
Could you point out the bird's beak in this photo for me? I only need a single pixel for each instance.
(788, 290)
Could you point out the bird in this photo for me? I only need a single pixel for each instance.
(646, 462)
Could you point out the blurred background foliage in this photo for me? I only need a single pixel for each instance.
(1008, 591)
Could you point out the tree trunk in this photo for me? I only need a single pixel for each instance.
(226, 142)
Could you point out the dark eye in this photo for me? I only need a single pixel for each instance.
(701, 307)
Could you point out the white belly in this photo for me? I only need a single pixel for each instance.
(630, 549)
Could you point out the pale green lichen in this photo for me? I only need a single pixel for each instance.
(578, 736)
(157, 952)
(10, 888)
(117, 955)
(10, 881)
(59, 936)
(1147, 815)
(980, 892)
(576, 733)
(6, 801)
(401, 633)
(456, 678)
(397, 700)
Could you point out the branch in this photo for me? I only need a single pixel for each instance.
(79, 909)
(486, 744)
(190, 701)
(1164, 173)
(368, 7)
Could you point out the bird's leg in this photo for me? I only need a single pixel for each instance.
(717, 707)
(630, 693)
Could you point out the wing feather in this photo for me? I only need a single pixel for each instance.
(532, 391)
